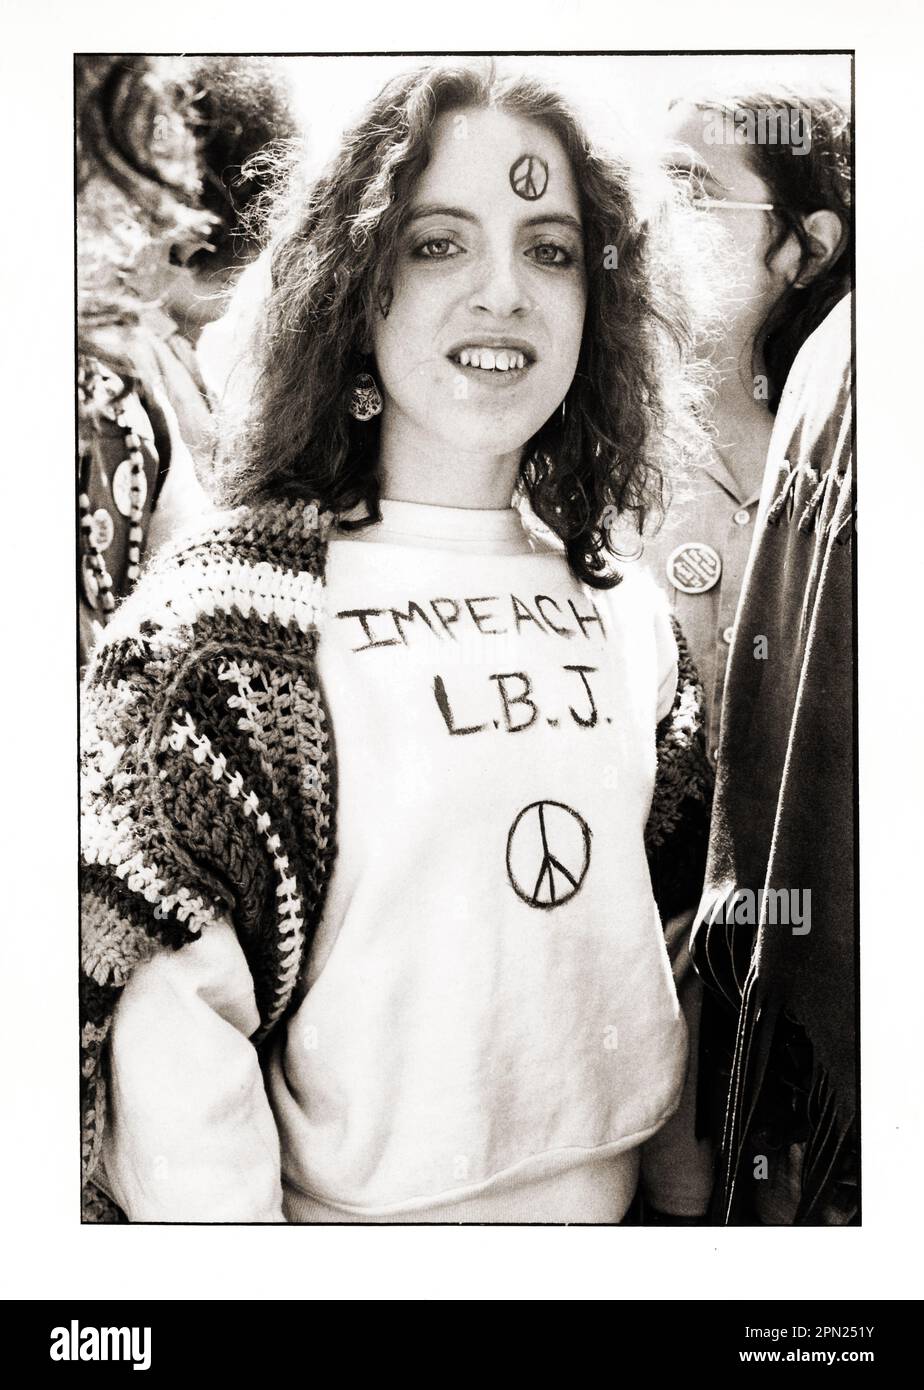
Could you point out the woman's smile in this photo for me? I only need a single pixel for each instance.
(494, 378)
(493, 362)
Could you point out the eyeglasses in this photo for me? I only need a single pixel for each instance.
(691, 178)
(706, 204)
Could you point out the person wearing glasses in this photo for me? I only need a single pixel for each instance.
(772, 172)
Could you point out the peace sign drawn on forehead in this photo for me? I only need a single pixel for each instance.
(529, 177)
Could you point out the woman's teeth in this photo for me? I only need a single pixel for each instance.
(489, 360)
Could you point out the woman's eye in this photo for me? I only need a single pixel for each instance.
(439, 248)
(547, 253)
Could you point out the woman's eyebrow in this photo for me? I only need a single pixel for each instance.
(560, 219)
(439, 210)
(564, 219)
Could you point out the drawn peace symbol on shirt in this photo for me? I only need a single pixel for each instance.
(529, 177)
(548, 853)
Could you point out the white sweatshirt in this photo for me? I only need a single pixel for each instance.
(491, 1028)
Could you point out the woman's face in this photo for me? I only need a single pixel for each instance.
(722, 172)
(480, 340)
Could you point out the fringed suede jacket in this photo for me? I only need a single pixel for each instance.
(784, 829)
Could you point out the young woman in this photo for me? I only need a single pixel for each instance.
(378, 749)
(771, 172)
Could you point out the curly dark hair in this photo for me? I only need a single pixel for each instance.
(242, 107)
(137, 174)
(815, 179)
(630, 412)
(132, 128)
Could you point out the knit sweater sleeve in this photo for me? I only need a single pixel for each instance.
(206, 777)
(190, 1135)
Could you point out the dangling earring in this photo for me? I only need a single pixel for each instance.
(365, 398)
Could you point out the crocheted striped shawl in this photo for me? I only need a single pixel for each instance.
(208, 776)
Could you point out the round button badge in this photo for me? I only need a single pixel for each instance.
(102, 529)
(694, 567)
(123, 479)
(90, 582)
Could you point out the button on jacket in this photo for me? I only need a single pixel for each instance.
(707, 509)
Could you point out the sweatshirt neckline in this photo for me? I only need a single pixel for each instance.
(426, 521)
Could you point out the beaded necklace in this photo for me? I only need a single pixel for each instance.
(101, 391)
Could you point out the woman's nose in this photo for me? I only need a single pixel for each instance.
(500, 289)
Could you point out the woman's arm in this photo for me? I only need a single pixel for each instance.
(190, 1135)
(194, 821)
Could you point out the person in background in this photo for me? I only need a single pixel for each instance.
(171, 181)
(137, 187)
(241, 114)
(772, 171)
(775, 936)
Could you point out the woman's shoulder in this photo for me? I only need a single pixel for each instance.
(285, 535)
(229, 576)
(636, 590)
